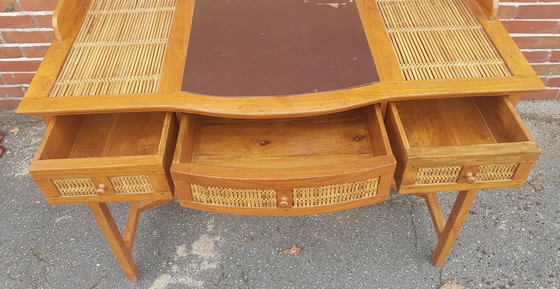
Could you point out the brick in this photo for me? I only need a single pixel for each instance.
(10, 103)
(531, 26)
(538, 12)
(28, 36)
(553, 82)
(11, 92)
(17, 78)
(537, 56)
(532, 42)
(555, 57)
(547, 94)
(506, 12)
(10, 52)
(24, 21)
(9, 6)
(547, 69)
(38, 5)
(44, 21)
(17, 66)
(34, 51)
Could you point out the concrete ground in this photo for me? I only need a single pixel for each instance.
(511, 238)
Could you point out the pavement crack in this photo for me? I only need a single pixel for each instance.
(245, 279)
(98, 282)
(222, 277)
(414, 227)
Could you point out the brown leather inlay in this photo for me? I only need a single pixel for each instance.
(276, 47)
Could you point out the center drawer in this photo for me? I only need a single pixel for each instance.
(283, 166)
(106, 157)
(459, 144)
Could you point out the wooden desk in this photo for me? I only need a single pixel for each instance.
(132, 118)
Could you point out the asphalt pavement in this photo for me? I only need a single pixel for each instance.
(511, 238)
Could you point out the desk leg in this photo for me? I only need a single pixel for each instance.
(122, 252)
(448, 235)
(122, 244)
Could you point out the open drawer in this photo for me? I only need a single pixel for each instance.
(106, 157)
(283, 166)
(459, 144)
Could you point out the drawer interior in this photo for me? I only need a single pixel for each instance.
(284, 143)
(460, 122)
(104, 135)
(292, 166)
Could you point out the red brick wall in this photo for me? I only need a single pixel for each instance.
(25, 33)
(535, 26)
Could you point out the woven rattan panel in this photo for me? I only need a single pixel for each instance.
(254, 198)
(495, 172)
(132, 184)
(438, 175)
(439, 39)
(119, 49)
(332, 194)
(75, 187)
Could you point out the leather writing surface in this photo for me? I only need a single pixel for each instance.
(276, 47)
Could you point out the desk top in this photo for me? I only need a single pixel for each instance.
(318, 56)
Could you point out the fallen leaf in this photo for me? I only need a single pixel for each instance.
(247, 239)
(451, 285)
(2, 148)
(14, 130)
(183, 234)
(1, 135)
(294, 250)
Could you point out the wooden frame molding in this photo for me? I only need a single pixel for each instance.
(169, 97)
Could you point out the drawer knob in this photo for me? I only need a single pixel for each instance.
(470, 178)
(100, 189)
(284, 203)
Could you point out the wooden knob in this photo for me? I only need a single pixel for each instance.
(470, 178)
(100, 189)
(284, 203)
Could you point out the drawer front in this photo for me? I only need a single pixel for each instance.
(451, 178)
(305, 197)
(293, 192)
(118, 184)
(451, 174)
(70, 188)
(437, 151)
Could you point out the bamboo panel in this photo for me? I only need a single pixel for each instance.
(119, 49)
(332, 194)
(75, 187)
(132, 184)
(439, 39)
(255, 198)
(438, 175)
(496, 172)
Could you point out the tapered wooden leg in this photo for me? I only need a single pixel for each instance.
(116, 241)
(453, 226)
(435, 211)
(136, 208)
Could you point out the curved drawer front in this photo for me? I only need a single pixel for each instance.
(459, 144)
(285, 166)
